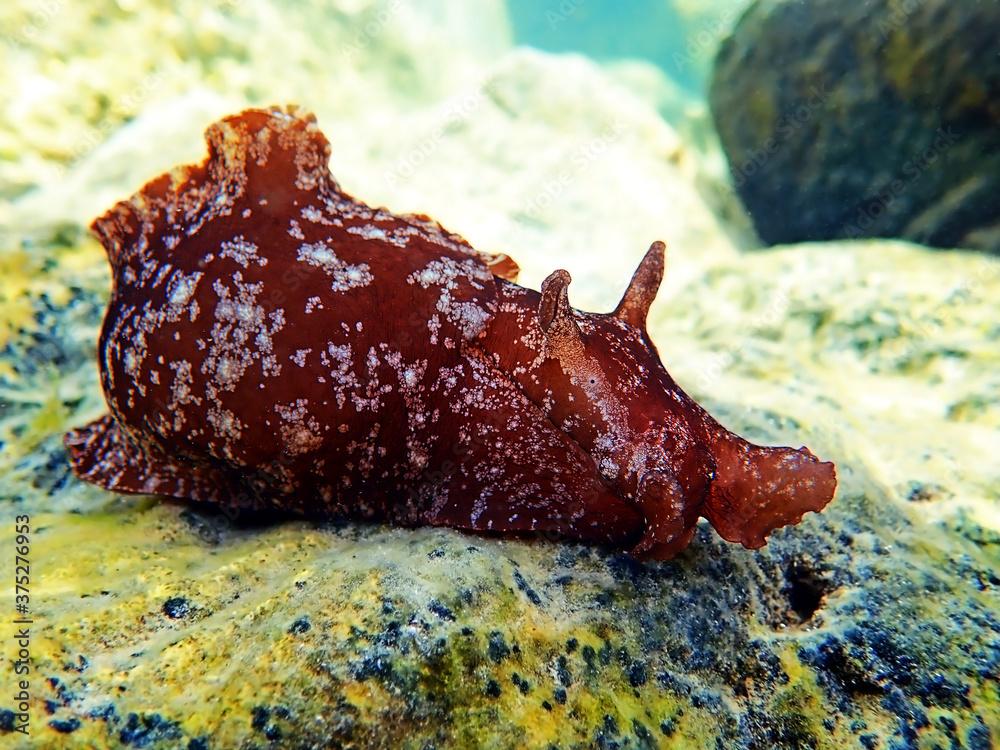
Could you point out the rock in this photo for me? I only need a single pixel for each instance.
(169, 623)
(386, 54)
(121, 164)
(592, 172)
(875, 119)
(688, 114)
(471, 160)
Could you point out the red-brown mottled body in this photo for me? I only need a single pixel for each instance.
(272, 342)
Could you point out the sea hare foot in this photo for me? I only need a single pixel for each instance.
(273, 342)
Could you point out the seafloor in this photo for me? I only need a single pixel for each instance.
(165, 625)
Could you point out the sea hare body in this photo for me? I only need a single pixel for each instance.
(273, 342)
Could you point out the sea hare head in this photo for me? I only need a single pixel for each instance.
(272, 341)
(650, 441)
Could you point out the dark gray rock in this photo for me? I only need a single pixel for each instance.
(874, 119)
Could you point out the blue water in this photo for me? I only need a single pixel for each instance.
(609, 30)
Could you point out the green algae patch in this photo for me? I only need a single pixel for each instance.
(290, 622)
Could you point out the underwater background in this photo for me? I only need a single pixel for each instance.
(825, 175)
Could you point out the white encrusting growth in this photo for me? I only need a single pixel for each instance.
(180, 393)
(468, 315)
(182, 287)
(242, 333)
(339, 361)
(313, 214)
(295, 230)
(300, 431)
(227, 425)
(345, 276)
(369, 232)
(242, 251)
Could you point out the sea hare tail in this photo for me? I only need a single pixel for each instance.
(757, 489)
(101, 453)
(265, 152)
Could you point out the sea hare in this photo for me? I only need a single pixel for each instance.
(271, 342)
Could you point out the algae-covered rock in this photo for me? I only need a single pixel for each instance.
(161, 624)
(875, 624)
(874, 119)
